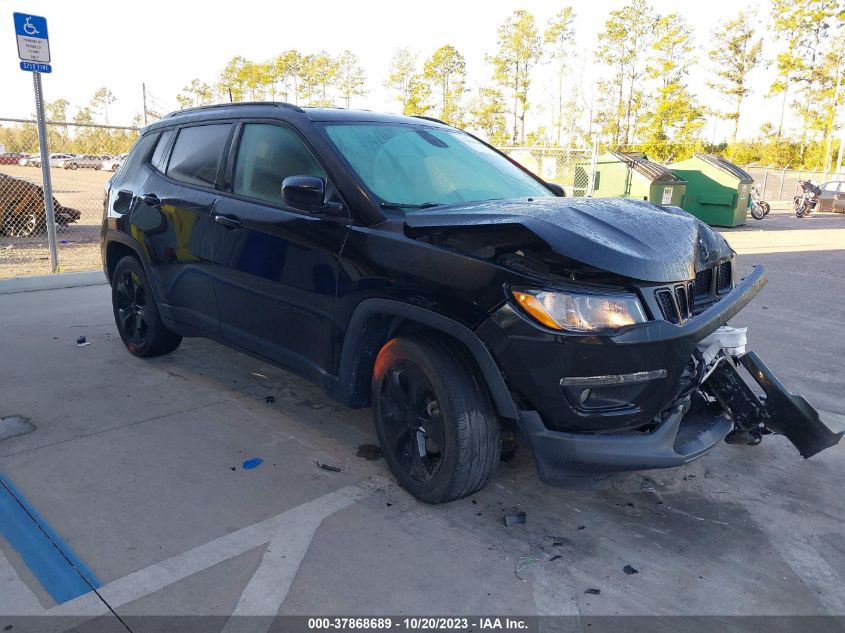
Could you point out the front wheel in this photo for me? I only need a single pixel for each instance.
(136, 314)
(436, 425)
(757, 211)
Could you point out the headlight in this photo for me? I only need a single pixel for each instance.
(580, 312)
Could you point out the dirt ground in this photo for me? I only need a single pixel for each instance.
(78, 243)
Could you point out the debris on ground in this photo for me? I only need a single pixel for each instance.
(370, 452)
(555, 557)
(81, 341)
(707, 474)
(255, 462)
(513, 519)
(270, 399)
(328, 467)
(582, 527)
(648, 486)
(593, 591)
(233, 467)
(630, 571)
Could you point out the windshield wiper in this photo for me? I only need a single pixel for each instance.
(400, 205)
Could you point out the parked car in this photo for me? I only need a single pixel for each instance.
(11, 158)
(832, 197)
(22, 208)
(58, 160)
(405, 264)
(78, 162)
(27, 160)
(113, 164)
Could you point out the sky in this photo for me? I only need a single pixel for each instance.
(165, 44)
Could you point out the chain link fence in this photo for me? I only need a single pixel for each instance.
(781, 185)
(568, 167)
(82, 159)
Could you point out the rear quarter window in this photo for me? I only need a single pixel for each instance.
(136, 157)
(197, 154)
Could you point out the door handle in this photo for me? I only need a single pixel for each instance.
(150, 199)
(229, 221)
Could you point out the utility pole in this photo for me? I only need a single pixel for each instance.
(144, 93)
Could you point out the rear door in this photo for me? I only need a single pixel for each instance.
(172, 220)
(275, 266)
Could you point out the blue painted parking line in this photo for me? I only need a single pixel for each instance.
(59, 570)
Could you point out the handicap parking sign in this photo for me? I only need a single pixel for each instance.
(33, 41)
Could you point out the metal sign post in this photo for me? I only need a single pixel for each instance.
(34, 53)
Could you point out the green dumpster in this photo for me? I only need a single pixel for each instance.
(717, 190)
(632, 175)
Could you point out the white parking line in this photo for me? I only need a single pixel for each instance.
(297, 524)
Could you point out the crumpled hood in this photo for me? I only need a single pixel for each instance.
(626, 237)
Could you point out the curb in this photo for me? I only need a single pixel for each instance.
(51, 282)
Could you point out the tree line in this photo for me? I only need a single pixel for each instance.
(645, 103)
(536, 94)
(77, 137)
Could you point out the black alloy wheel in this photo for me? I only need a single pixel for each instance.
(434, 419)
(413, 421)
(136, 314)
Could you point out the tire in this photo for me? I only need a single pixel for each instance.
(766, 208)
(430, 382)
(23, 224)
(757, 211)
(114, 167)
(136, 314)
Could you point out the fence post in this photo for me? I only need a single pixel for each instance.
(765, 180)
(782, 178)
(591, 186)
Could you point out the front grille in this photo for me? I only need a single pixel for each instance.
(683, 305)
(723, 281)
(703, 283)
(667, 306)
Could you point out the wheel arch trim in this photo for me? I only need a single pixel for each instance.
(388, 308)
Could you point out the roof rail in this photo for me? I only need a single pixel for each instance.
(277, 104)
(431, 118)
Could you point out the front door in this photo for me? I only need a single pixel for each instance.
(275, 267)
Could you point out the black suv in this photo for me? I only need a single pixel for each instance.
(407, 265)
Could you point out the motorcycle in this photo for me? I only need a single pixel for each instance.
(807, 202)
(759, 207)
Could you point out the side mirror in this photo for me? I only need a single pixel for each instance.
(304, 192)
(556, 189)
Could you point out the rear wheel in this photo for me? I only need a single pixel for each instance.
(136, 314)
(24, 224)
(434, 419)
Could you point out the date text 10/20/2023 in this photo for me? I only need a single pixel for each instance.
(417, 624)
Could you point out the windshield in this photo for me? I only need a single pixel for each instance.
(409, 166)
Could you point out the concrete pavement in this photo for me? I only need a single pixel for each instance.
(138, 467)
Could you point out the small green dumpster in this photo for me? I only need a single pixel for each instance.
(717, 190)
(632, 175)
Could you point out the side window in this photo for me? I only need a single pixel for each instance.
(267, 155)
(197, 153)
(137, 155)
(158, 155)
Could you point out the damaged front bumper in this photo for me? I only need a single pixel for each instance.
(676, 416)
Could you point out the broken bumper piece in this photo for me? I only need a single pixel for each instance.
(779, 411)
(723, 406)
